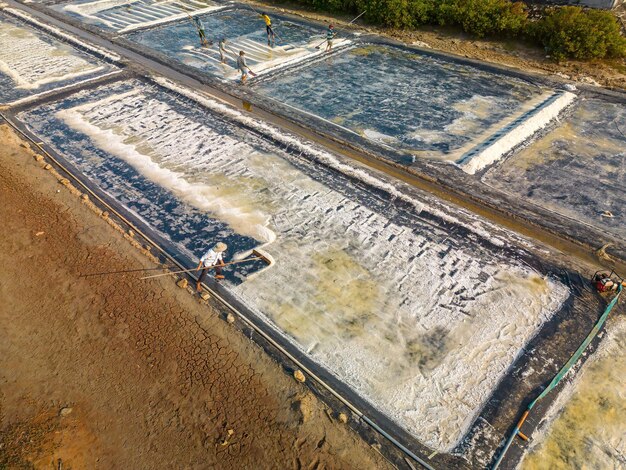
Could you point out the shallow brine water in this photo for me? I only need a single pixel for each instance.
(577, 169)
(31, 62)
(422, 320)
(242, 29)
(408, 101)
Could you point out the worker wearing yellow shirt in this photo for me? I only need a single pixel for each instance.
(268, 27)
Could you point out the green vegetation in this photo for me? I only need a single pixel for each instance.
(572, 32)
(483, 17)
(565, 32)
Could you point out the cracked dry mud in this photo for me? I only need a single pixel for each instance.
(153, 378)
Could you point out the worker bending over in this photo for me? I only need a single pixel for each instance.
(212, 259)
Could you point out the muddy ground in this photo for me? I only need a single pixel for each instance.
(508, 52)
(111, 372)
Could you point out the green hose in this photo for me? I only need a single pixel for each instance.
(557, 378)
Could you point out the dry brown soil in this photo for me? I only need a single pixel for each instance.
(508, 52)
(112, 372)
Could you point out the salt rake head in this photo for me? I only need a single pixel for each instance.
(262, 255)
(266, 257)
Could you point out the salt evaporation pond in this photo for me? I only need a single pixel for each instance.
(421, 319)
(243, 30)
(589, 430)
(416, 103)
(577, 169)
(127, 15)
(32, 62)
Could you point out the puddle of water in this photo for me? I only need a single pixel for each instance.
(421, 321)
(590, 431)
(428, 104)
(32, 62)
(578, 169)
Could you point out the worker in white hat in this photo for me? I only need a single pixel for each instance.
(214, 258)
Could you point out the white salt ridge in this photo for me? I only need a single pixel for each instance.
(32, 62)
(419, 321)
(379, 136)
(298, 55)
(36, 96)
(169, 19)
(139, 14)
(57, 32)
(519, 134)
(262, 58)
(480, 227)
(89, 8)
(197, 195)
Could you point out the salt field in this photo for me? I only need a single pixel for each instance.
(576, 169)
(32, 62)
(447, 111)
(404, 310)
(421, 309)
(243, 30)
(586, 427)
(431, 107)
(129, 15)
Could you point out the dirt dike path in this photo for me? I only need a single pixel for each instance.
(112, 372)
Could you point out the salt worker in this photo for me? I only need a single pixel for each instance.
(222, 47)
(330, 35)
(212, 259)
(200, 27)
(268, 28)
(242, 65)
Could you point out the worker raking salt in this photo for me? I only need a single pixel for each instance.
(330, 35)
(222, 47)
(212, 259)
(271, 36)
(242, 65)
(204, 42)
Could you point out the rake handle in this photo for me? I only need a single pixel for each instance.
(339, 29)
(206, 267)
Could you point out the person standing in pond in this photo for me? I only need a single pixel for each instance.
(200, 27)
(242, 65)
(268, 28)
(330, 35)
(212, 259)
(222, 47)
